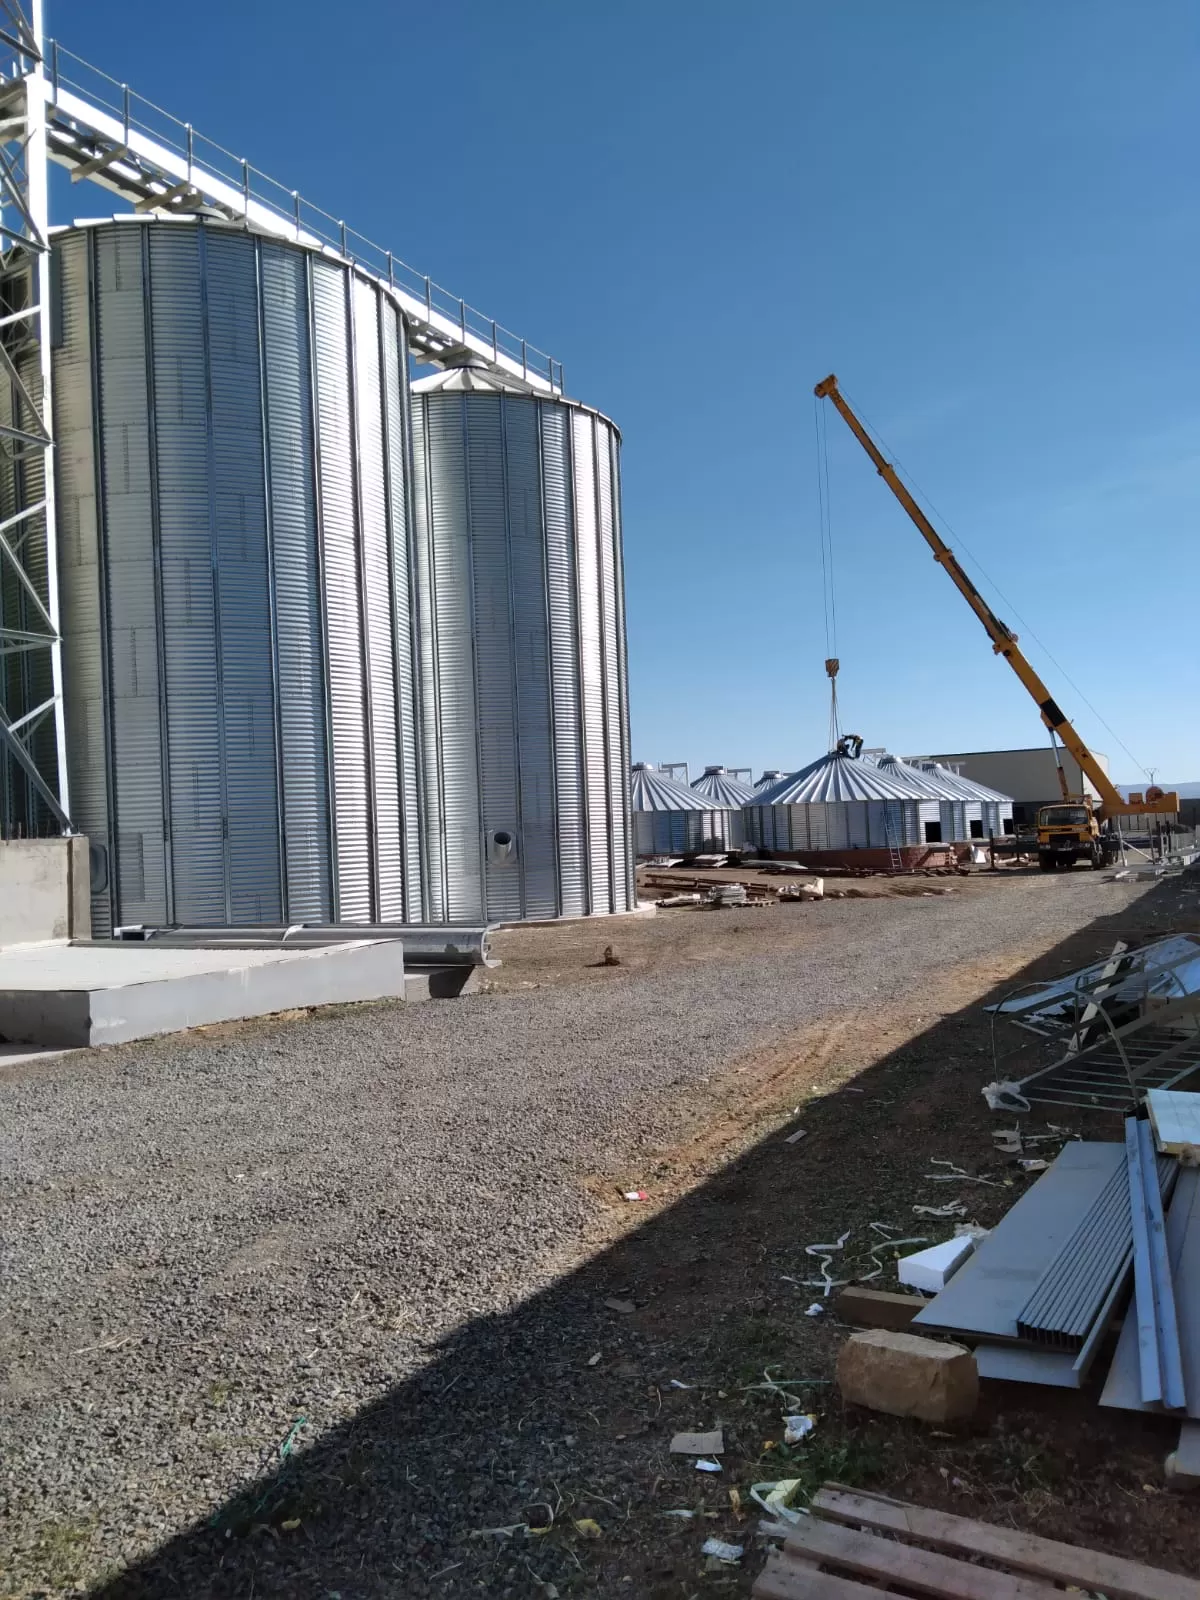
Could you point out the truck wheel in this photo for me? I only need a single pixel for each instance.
(1047, 862)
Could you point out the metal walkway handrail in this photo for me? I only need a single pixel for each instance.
(100, 129)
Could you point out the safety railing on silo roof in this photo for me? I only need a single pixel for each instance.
(106, 132)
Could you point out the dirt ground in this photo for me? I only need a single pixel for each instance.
(876, 1103)
(689, 1312)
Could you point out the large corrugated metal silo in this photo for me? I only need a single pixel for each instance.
(521, 630)
(987, 810)
(232, 423)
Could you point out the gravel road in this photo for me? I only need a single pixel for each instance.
(204, 1239)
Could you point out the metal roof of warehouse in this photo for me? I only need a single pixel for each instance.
(716, 784)
(836, 778)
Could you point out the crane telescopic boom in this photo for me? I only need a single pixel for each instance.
(1004, 640)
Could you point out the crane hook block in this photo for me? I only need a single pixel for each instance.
(831, 666)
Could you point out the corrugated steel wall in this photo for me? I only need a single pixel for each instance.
(240, 688)
(520, 617)
(325, 655)
(837, 825)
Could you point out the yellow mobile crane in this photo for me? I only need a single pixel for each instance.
(1068, 832)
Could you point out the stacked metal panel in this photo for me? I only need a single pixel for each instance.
(240, 691)
(838, 803)
(521, 629)
(671, 819)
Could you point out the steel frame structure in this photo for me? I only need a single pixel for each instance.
(54, 106)
(29, 623)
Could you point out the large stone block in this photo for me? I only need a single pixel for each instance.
(908, 1376)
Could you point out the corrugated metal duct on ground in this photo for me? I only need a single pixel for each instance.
(521, 630)
(232, 444)
(671, 819)
(716, 784)
(839, 803)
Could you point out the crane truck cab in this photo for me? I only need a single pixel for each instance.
(1069, 832)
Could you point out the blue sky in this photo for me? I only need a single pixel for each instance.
(983, 217)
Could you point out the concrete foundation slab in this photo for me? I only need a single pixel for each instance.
(69, 995)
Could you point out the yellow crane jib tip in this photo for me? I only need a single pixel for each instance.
(826, 386)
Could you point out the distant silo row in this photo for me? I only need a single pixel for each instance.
(871, 809)
(332, 652)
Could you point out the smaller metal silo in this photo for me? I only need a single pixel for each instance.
(987, 810)
(769, 779)
(945, 822)
(717, 785)
(670, 819)
(840, 809)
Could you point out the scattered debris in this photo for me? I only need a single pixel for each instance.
(634, 1194)
(930, 1270)
(588, 1528)
(952, 1208)
(1033, 1164)
(610, 957)
(956, 1174)
(676, 1384)
(671, 901)
(625, 1307)
(797, 1428)
(794, 1138)
(705, 1465)
(1005, 1096)
(776, 1498)
(594, 1361)
(699, 1444)
(729, 1553)
(680, 1511)
(817, 1309)
(1008, 1141)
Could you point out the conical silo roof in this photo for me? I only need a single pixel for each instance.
(963, 788)
(769, 779)
(654, 791)
(835, 778)
(930, 783)
(715, 784)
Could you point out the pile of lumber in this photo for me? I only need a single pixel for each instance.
(855, 1544)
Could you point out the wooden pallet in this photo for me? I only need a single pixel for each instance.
(856, 1544)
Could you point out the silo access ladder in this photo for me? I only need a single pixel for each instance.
(889, 833)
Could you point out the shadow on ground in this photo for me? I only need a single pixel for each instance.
(552, 1423)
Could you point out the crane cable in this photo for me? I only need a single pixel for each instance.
(961, 544)
(829, 596)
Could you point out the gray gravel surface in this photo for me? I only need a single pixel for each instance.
(207, 1239)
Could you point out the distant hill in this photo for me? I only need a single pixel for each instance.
(1185, 791)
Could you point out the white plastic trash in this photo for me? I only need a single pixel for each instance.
(931, 1270)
